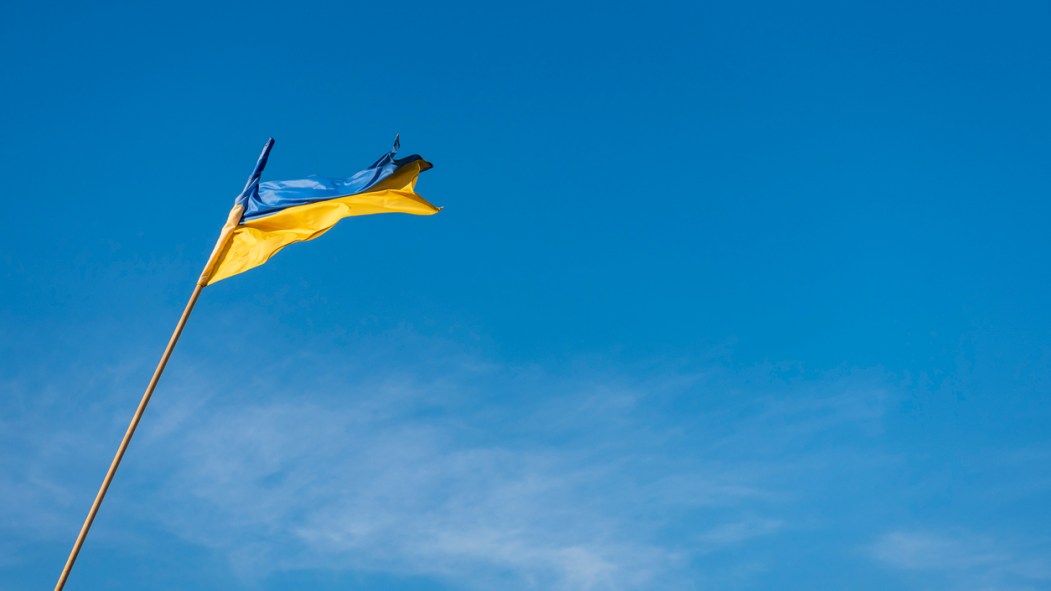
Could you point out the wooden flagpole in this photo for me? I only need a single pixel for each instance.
(224, 238)
(127, 439)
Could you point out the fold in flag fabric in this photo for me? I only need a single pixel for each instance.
(275, 214)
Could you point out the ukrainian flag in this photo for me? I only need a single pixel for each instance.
(268, 216)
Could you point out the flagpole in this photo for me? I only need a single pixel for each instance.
(213, 260)
(127, 438)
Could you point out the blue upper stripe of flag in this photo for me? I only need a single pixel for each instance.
(260, 199)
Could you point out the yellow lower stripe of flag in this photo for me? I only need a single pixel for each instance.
(255, 241)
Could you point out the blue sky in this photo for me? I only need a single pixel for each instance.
(723, 296)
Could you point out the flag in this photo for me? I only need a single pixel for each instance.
(274, 214)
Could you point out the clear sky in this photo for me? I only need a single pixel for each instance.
(730, 296)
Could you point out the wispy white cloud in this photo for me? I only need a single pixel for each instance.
(458, 468)
(966, 560)
(362, 480)
(737, 532)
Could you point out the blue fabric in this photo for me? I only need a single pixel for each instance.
(252, 186)
(260, 199)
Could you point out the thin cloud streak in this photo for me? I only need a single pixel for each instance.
(966, 560)
(461, 469)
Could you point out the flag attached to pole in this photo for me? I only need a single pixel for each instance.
(273, 214)
(265, 218)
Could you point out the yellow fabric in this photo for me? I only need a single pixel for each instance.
(255, 241)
